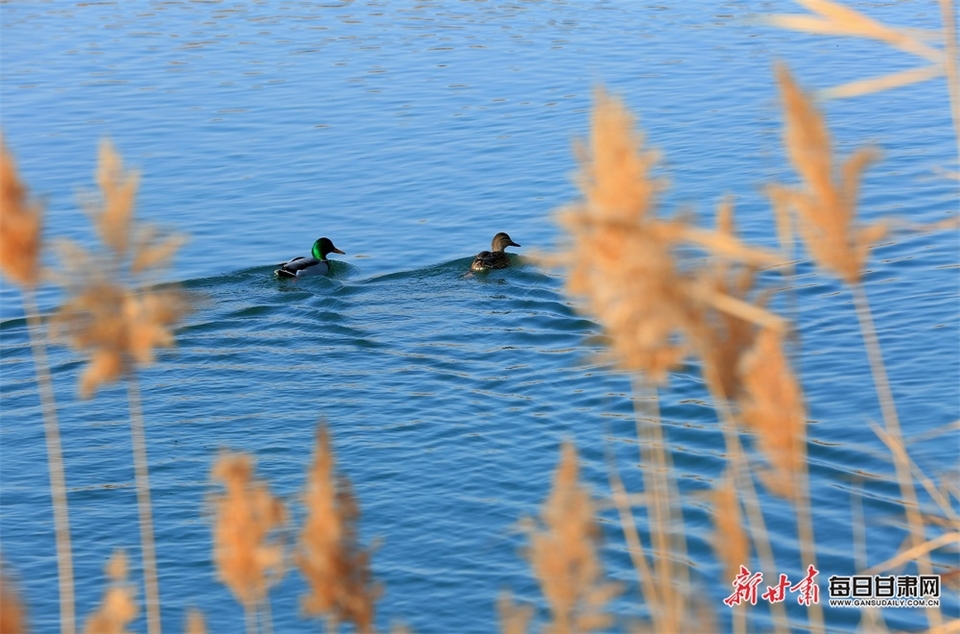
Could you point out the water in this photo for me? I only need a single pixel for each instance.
(410, 134)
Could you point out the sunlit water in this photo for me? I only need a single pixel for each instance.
(410, 134)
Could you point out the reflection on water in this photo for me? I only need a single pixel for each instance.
(410, 135)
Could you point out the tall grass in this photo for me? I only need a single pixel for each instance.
(328, 555)
(564, 559)
(246, 515)
(114, 313)
(336, 567)
(21, 224)
(665, 290)
(117, 316)
(118, 608)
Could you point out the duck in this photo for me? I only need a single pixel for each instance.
(316, 264)
(496, 258)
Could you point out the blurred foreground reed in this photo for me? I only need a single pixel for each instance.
(328, 555)
(665, 289)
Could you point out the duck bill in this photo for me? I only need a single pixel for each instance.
(513, 244)
(336, 250)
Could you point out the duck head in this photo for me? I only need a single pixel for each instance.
(501, 241)
(322, 247)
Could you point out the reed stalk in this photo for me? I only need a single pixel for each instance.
(663, 506)
(55, 465)
(638, 554)
(21, 224)
(743, 481)
(911, 505)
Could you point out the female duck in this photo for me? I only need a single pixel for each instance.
(317, 264)
(497, 258)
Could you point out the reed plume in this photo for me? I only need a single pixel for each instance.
(730, 541)
(773, 406)
(619, 251)
(336, 568)
(247, 560)
(622, 258)
(723, 337)
(195, 622)
(118, 607)
(644, 279)
(21, 222)
(115, 315)
(514, 619)
(826, 210)
(21, 225)
(563, 556)
(827, 203)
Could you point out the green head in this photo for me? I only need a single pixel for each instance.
(322, 247)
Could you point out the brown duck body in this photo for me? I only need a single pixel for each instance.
(497, 258)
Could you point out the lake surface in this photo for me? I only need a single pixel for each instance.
(410, 133)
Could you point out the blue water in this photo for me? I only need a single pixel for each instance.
(410, 134)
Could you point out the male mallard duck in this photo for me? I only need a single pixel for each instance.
(497, 258)
(317, 264)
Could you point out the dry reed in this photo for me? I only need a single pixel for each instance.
(642, 277)
(563, 556)
(112, 312)
(247, 560)
(118, 607)
(619, 251)
(514, 619)
(20, 241)
(826, 205)
(729, 540)
(329, 557)
(195, 622)
(835, 19)
(117, 317)
(725, 337)
(826, 210)
(658, 308)
(21, 225)
(773, 406)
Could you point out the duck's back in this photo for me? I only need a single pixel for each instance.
(490, 260)
(302, 266)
